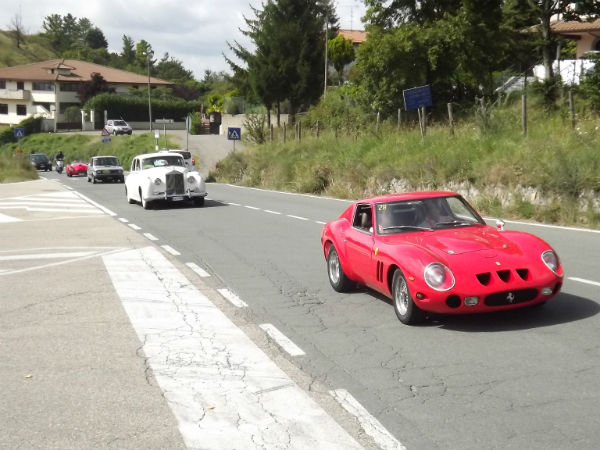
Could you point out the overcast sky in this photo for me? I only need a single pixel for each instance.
(195, 32)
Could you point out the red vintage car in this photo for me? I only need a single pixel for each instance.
(76, 168)
(432, 252)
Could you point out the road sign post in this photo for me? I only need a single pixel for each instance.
(234, 134)
(105, 135)
(418, 98)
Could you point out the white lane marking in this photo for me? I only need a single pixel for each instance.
(80, 209)
(233, 204)
(282, 340)
(44, 256)
(97, 205)
(320, 222)
(134, 226)
(223, 390)
(271, 212)
(171, 250)
(123, 219)
(369, 423)
(233, 299)
(60, 263)
(291, 193)
(582, 280)
(199, 270)
(251, 207)
(151, 236)
(296, 217)
(7, 219)
(544, 225)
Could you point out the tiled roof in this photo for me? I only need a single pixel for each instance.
(73, 70)
(357, 37)
(575, 27)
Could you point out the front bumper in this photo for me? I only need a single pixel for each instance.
(188, 195)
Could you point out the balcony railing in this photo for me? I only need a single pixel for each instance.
(8, 94)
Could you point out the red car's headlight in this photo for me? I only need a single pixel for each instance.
(551, 260)
(439, 277)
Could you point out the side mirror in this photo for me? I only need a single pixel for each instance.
(500, 224)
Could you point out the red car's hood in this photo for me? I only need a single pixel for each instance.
(456, 241)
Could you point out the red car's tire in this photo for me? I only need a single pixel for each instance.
(338, 279)
(405, 307)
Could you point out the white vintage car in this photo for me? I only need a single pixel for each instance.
(163, 176)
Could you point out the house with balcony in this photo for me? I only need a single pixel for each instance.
(48, 88)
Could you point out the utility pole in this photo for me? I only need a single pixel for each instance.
(148, 57)
(326, 51)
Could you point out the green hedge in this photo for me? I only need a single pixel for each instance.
(135, 109)
(30, 125)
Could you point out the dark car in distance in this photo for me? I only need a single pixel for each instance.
(40, 161)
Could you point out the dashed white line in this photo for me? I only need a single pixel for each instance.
(199, 270)
(582, 280)
(134, 226)
(282, 340)
(123, 219)
(251, 207)
(234, 299)
(171, 250)
(296, 217)
(233, 204)
(271, 212)
(369, 423)
(320, 222)
(97, 205)
(151, 236)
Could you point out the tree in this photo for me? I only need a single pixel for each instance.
(341, 53)
(546, 9)
(16, 29)
(288, 63)
(128, 52)
(169, 68)
(143, 54)
(96, 85)
(94, 38)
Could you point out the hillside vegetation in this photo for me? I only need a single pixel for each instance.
(34, 48)
(551, 175)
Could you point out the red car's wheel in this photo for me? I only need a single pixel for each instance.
(338, 279)
(405, 307)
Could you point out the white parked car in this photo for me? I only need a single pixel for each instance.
(163, 176)
(188, 159)
(118, 127)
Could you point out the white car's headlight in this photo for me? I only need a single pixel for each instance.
(439, 277)
(191, 179)
(551, 260)
(157, 181)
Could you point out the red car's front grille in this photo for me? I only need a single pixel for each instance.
(505, 276)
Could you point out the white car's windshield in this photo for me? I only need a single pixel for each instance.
(106, 162)
(120, 123)
(162, 161)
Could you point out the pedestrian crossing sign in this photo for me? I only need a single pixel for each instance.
(234, 134)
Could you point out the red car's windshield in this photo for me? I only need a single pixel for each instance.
(424, 214)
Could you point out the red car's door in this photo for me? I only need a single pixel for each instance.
(359, 245)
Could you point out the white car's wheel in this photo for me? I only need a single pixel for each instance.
(145, 203)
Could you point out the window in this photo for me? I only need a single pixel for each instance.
(20, 85)
(2, 84)
(363, 217)
(69, 87)
(3, 108)
(43, 86)
(21, 110)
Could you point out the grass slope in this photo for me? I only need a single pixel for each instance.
(35, 48)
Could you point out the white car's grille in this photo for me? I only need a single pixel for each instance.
(175, 183)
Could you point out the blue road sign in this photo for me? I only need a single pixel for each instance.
(19, 133)
(234, 134)
(416, 97)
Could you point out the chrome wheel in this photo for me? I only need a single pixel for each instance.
(334, 267)
(401, 295)
(404, 305)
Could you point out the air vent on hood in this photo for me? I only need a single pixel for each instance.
(484, 278)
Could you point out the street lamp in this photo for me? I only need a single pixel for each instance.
(149, 55)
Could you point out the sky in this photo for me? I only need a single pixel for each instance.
(194, 32)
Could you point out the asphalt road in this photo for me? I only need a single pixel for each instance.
(527, 379)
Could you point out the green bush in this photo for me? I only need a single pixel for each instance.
(30, 125)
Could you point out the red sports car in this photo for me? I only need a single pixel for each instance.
(76, 168)
(432, 252)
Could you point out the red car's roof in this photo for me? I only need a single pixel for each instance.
(407, 196)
